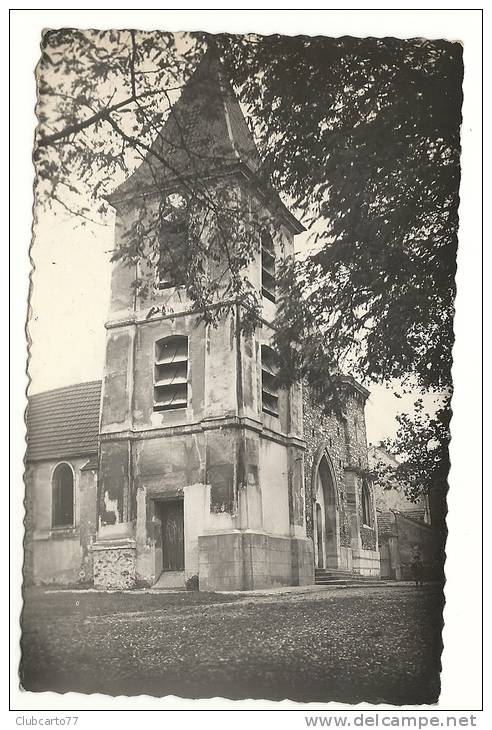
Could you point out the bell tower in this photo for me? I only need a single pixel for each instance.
(201, 472)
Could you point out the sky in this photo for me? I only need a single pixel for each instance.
(69, 306)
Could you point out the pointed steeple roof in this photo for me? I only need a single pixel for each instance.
(204, 133)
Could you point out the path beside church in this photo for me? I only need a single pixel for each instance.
(373, 643)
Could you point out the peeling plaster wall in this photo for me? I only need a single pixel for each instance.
(222, 450)
(60, 555)
(248, 394)
(114, 483)
(295, 478)
(164, 466)
(87, 520)
(274, 478)
(220, 370)
(117, 380)
(250, 482)
(230, 476)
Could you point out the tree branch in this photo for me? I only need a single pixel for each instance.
(102, 115)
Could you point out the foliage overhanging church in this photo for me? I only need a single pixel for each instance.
(187, 459)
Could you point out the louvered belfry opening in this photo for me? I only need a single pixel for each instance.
(171, 373)
(269, 385)
(172, 241)
(171, 245)
(268, 283)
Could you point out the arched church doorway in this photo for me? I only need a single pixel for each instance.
(326, 517)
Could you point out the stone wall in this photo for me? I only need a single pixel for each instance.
(248, 560)
(343, 437)
(324, 431)
(368, 537)
(114, 565)
(366, 562)
(346, 443)
(417, 537)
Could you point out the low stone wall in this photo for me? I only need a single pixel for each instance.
(302, 561)
(252, 560)
(345, 559)
(366, 562)
(114, 564)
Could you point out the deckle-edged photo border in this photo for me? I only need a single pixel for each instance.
(465, 456)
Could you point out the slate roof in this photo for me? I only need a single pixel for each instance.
(205, 133)
(386, 526)
(388, 521)
(205, 130)
(64, 422)
(415, 519)
(92, 464)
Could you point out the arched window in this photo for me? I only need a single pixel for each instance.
(267, 266)
(171, 373)
(269, 386)
(62, 499)
(366, 505)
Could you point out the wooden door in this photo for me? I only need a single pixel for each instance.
(172, 535)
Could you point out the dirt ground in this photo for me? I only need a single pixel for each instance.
(373, 643)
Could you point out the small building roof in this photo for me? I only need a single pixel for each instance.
(351, 382)
(386, 524)
(92, 464)
(63, 422)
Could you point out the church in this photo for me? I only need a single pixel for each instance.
(187, 464)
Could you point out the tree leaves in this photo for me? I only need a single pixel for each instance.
(361, 136)
(366, 131)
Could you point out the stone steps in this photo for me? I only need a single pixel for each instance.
(174, 580)
(340, 577)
